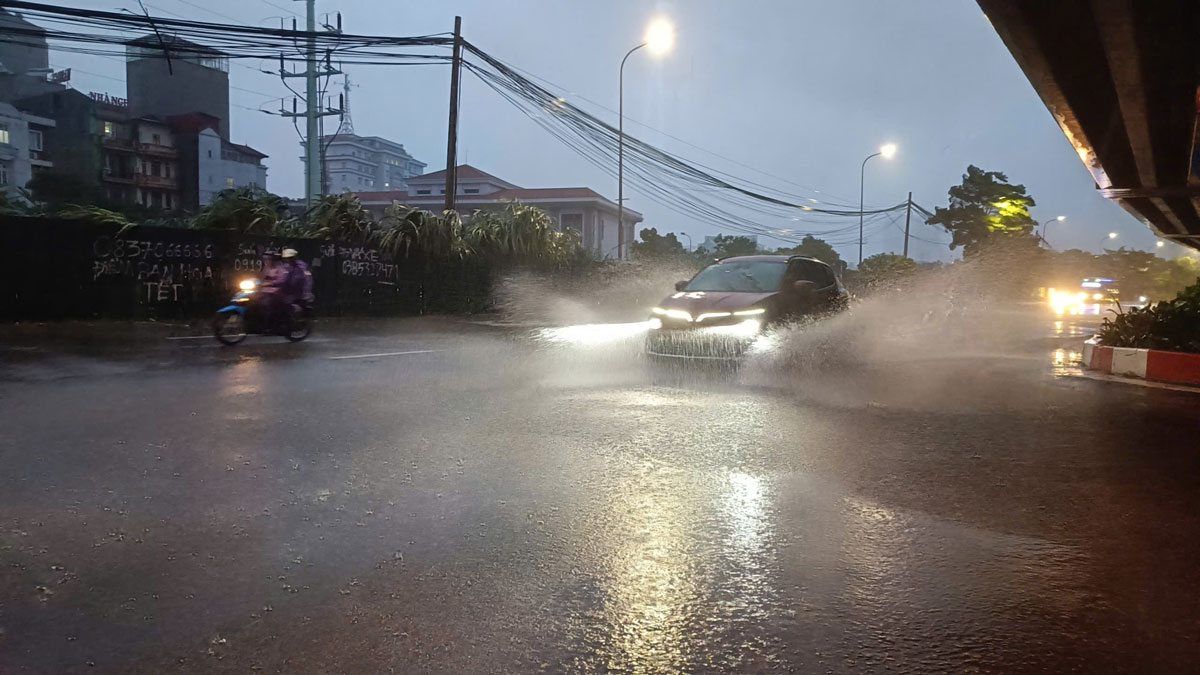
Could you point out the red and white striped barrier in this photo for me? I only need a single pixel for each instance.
(1148, 364)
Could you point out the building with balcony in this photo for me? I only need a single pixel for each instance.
(139, 161)
(22, 148)
(575, 209)
(355, 163)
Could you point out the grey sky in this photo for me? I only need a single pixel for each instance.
(802, 90)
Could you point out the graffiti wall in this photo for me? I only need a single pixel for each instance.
(59, 269)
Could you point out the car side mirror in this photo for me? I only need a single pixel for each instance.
(680, 285)
(803, 289)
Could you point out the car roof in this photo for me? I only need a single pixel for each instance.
(769, 258)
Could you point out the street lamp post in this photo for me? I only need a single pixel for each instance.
(1108, 237)
(1045, 223)
(888, 151)
(689, 239)
(659, 38)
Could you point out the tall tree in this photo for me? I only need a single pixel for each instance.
(983, 208)
(727, 246)
(885, 267)
(816, 248)
(655, 245)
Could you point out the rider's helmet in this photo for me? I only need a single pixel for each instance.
(288, 253)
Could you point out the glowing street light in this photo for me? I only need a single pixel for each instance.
(1159, 244)
(888, 150)
(1044, 223)
(660, 38)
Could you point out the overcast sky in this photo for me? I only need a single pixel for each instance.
(800, 90)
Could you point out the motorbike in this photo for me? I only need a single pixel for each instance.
(248, 314)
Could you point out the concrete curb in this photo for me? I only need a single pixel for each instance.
(1147, 364)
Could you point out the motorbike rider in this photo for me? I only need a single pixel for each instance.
(273, 286)
(299, 279)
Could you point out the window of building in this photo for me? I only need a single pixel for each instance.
(109, 129)
(422, 192)
(571, 222)
(158, 199)
(229, 182)
(167, 200)
(155, 169)
(442, 191)
(471, 191)
(156, 139)
(3, 173)
(210, 154)
(4, 133)
(167, 170)
(210, 179)
(35, 140)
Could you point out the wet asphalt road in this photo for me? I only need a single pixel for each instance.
(470, 501)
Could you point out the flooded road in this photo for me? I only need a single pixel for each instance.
(436, 497)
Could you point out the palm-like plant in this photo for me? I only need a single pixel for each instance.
(341, 218)
(414, 234)
(520, 234)
(94, 214)
(245, 210)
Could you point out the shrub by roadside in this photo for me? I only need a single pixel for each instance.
(1170, 325)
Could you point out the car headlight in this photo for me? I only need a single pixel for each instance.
(747, 328)
(751, 312)
(654, 323)
(248, 284)
(673, 313)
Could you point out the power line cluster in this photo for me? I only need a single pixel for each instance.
(712, 197)
(708, 195)
(95, 32)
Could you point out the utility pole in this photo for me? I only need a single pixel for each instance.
(313, 162)
(452, 133)
(907, 220)
(312, 169)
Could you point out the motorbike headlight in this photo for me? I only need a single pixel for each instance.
(248, 285)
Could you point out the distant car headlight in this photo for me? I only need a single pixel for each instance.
(248, 284)
(1142, 298)
(1097, 296)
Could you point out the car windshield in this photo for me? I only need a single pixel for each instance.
(744, 276)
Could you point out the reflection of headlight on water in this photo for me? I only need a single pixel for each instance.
(596, 333)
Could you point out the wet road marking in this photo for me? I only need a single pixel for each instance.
(193, 337)
(370, 356)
